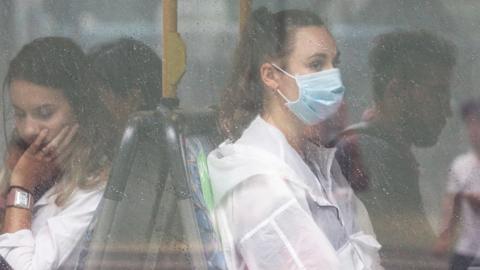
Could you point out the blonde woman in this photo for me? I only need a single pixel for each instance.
(57, 159)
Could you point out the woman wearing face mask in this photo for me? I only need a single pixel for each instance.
(280, 200)
(57, 159)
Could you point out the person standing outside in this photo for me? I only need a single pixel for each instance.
(462, 201)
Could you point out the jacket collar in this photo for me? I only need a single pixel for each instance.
(263, 149)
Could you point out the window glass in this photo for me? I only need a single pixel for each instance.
(210, 30)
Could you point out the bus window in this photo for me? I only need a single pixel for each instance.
(400, 121)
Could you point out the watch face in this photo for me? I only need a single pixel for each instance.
(21, 199)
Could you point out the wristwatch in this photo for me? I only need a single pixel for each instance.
(19, 198)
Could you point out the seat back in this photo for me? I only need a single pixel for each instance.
(154, 214)
(199, 141)
(124, 222)
(194, 135)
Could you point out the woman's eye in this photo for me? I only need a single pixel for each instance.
(316, 65)
(44, 112)
(18, 114)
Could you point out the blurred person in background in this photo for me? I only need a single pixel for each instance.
(58, 157)
(462, 201)
(411, 73)
(128, 74)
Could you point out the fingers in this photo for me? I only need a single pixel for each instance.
(60, 143)
(52, 146)
(35, 147)
(64, 150)
(68, 139)
(48, 152)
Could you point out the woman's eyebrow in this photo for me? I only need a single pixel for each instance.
(46, 105)
(318, 55)
(15, 107)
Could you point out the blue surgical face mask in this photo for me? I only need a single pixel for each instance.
(320, 95)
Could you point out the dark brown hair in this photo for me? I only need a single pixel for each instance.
(266, 37)
(402, 54)
(125, 64)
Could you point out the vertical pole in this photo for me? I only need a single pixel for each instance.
(245, 9)
(173, 50)
(170, 15)
(169, 25)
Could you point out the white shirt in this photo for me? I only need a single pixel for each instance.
(271, 215)
(54, 232)
(465, 176)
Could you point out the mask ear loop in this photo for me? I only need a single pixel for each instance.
(289, 75)
(283, 96)
(283, 71)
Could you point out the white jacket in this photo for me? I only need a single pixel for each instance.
(54, 233)
(273, 212)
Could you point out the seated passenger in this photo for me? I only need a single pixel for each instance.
(411, 90)
(280, 200)
(129, 76)
(57, 160)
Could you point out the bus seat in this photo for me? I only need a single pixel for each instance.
(195, 136)
(155, 211)
(119, 238)
(197, 148)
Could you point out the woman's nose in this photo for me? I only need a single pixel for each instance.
(29, 129)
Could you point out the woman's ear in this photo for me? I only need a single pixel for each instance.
(269, 76)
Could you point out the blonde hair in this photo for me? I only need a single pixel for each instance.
(59, 63)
